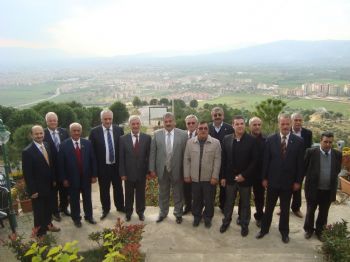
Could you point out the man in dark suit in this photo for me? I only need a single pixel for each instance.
(39, 175)
(191, 126)
(54, 135)
(219, 129)
(322, 166)
(77, 165)
(134, 149)
(306, 135)
(239, 157)
(283, 169)
(105, 141)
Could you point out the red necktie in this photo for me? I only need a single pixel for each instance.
(79, 160)
(136, 145)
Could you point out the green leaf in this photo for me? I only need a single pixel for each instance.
(54, 251)
(31, 251)
(42, 249)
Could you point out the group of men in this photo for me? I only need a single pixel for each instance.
(190, 164)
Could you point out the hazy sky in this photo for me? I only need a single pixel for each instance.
(115, 27)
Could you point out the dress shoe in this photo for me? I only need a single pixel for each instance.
(91, 221)
(238, 221)
(207, 223)
(285, 239)
(56, 217)
(196, 222)
(308, 235)
(319, 237)
(160, 219)
(53, 228)
(187, 210)
(104, 215)
(223, 228)
(77, 223)
(258, 223)
(66, 212)
(178, 220)
(141, 217)
(244, 231)
(298, 214)
(260, 235)
(128, 218)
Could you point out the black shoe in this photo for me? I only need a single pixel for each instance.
(285, 239)
(104, 215)
(66, 212)
(238, 221)
(128, 218)
(223, 228)
(308, 234)
(56, 217)
(260, 235)
(244, 231)
(91, 221)
(207, 224)
(178, 220)
(121, 209)
(196, 222)
(160, 219)
(258, 223)
(77, 223)
(141, 217)
(187, 210)
(319, 236)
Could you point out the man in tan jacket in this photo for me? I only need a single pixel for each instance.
(202, 160)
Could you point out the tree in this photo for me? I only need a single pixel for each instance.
(20, 139)
(5, 113)
(95, 115)
(164, 101)
(22, 117)
(84, 119)
(268, 111)
(194, 103)
(120, 112)
(153, 102)
(65, 113)
(137, 102)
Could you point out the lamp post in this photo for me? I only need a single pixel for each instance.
(4, 138)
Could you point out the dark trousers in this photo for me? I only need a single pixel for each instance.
(323, 201)
(222, 197)
(296, 200)
(75, 202)
(62, 204)
(104, 181)
(135, 188)
(188, 195)
(271, 199)
(42, 214)
(259, 199)
(244, 199)
(203, 196)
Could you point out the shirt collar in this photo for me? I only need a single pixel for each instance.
(324, 153)
(53, 131)
(76, 141)
(132, 134)
(287, 136)
(38, 145)
(105, 129)
(171, 132)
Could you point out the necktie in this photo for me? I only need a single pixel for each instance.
(190, 136)
(168, 152)
(110, 146)
(284, 146)
(45, 154)
(136, 145)
(55, 140)
(326, 153)
(79, 160)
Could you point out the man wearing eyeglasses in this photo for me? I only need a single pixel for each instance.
(219, 129)
(202, 160)
(191, 125)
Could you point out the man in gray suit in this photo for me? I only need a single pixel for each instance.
(134, 151)
(166, 162)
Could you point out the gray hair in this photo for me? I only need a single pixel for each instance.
(283, 115)
(75, 124)
(48, 114)
(104, 111)
(296, 114)
(217, 109)
(254, 118)
(191, 116)
(134, 117)
(168, 115)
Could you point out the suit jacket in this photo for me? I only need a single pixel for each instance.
(282, 173)
(312, 172)
(38, 175)
(68, 163)
(306, 134)
(63, 134)
(134, 166)
(98, 143)
(226, 129)
(239, 158)
(157, 157)
(261, 141)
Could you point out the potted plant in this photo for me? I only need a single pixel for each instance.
(345, 174)
(24, 198)
(14, 197)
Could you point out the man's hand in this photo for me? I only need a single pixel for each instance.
(239, 178)
(223, 182)
(93, 180)
(123, 178)
(264, 183)
(35, 195)
(65, 183)
(187, 179)
(296, 186)
(213, 181)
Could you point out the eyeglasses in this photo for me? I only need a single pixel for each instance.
(202, 128)
(217, 114)
(190, 123)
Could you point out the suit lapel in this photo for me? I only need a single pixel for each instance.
(37, 151)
